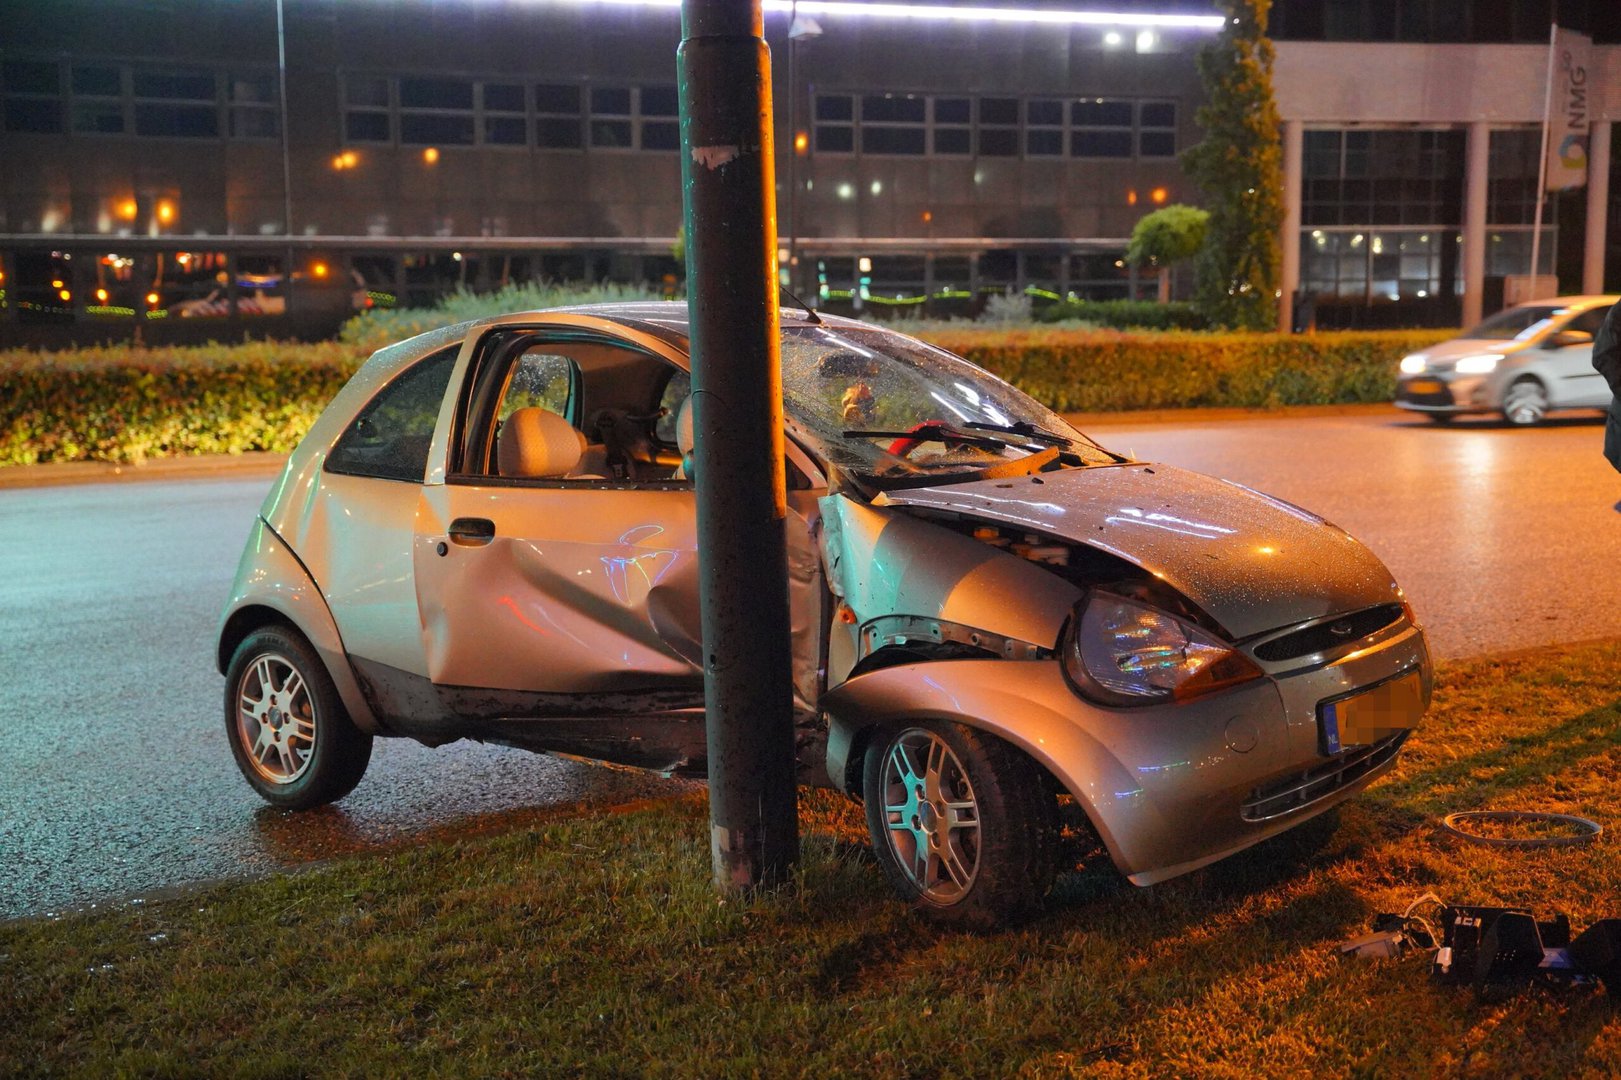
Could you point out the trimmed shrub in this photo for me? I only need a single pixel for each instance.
(128, 404)
(1106, 371)
(1125, 314)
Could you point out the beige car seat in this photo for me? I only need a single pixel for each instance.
(536, 442)
(684, 438)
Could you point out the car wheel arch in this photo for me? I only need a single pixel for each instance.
(860, 710)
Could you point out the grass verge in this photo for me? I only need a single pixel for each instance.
(593, 946)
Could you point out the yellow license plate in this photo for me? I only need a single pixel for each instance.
(1425, 386)
(1367, 717)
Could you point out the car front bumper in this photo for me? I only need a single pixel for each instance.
(1445, 392)
(1169, 788)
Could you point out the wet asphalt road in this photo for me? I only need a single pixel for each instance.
(115, 777)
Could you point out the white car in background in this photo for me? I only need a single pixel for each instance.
(1523, 363)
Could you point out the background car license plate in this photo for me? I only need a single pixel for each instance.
(1424, 386)
(1367, 717)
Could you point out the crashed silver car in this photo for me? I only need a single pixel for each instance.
(1005, 636)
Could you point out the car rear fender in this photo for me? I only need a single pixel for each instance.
(273, 586)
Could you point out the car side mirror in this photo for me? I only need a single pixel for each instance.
(1564, 339)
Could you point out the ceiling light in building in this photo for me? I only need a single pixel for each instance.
(165, 212)
(1131, 196)
(941, 13)
(101, 296)
(864, 265)
(801, 142)
(65, 295)
(846, 191)
(430, 156)
(127, 209)
(877, 187)
(1159, 195)
(1146, 40)
(319, 269)
(152, 298)
(1112, 39)
(928, 215)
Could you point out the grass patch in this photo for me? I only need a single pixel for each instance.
(592, 945)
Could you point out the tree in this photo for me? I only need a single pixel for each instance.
(1166, 237)
(1239, 167)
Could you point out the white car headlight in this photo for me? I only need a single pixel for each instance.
(1412, 365)
(1124, 652)
(1478, 365)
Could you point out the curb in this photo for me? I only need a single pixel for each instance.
(196, 467)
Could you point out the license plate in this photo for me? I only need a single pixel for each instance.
(1425, 386)
(1365, 718)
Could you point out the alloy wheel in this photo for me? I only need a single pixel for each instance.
(1526, 403)
(276, 719)
(932, 816)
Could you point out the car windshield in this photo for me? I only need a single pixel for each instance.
(896, 410)
(1516, 324)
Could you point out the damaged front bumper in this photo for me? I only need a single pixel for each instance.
(1169, 788)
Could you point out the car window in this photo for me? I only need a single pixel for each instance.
(1515, 324)
(1589, 321)
(391, 436)
(542, 379)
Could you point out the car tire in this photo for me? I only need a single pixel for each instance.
(962, 823)
(288, 729)
(1525, 403)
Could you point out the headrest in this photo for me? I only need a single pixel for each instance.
(683, 427)
(537, 442)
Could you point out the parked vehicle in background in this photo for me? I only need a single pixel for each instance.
(1522, 363)
(1005, 637)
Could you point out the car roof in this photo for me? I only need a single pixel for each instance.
(1586, 300)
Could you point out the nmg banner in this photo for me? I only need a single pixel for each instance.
(1569, 108)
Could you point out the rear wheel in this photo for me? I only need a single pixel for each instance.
(1525, 403)
(289, 732)
(961, 822)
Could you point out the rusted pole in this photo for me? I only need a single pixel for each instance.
(731, 227)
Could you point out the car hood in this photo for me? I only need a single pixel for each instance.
(1450, 352)
(1251, 562)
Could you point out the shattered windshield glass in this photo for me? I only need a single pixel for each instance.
(892, 408)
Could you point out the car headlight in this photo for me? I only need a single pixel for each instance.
(1412, 365)
(1477, 365)
(1120, 651)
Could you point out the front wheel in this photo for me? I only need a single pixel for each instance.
(289, 732)
(961, 822)
(1525, 403)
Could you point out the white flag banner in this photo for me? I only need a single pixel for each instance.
(1569, 109)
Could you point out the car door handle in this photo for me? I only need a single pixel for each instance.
(472, 531)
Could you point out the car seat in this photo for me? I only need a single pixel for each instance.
(684, 439)
(536, 442)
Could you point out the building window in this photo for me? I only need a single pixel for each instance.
(835, 124)
(98, 100)
(894, 124)
(610, 123)
(998, 127)
(1156, 129)
(1383, 177)
(253, 105)
(436, 112)
(1043, 128)
(181, 104)
(1511, 185)
(33, 96)
(661, 118)
(1100, 128)
(557, 117)
(952, 130)
(505, 116)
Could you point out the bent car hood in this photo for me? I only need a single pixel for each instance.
(1251, 562)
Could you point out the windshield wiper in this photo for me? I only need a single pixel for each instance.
(934, 432)
(1027, 430)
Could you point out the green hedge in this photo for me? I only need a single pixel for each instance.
(1125, 314)
(1108, 371)
(127, 404)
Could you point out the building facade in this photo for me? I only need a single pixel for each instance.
(221, 165)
